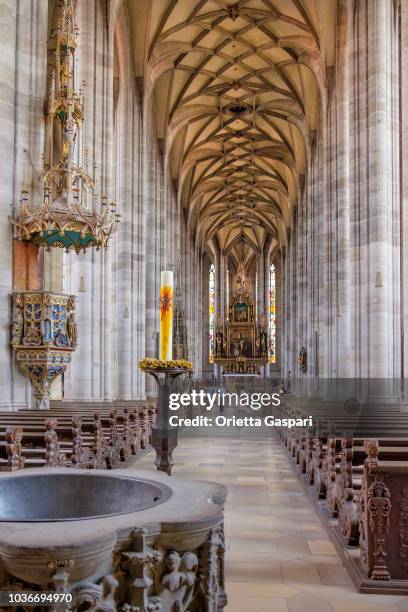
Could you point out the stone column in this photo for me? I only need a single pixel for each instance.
(23, 65)
(375, 221)
(345, 348)
(91, 375)
(151, 226)
(161, 242)
(198, 313)
(403, 7)
(342, 263)
(128, 265)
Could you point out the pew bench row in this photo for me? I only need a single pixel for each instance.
(359, 486)
(86, 439)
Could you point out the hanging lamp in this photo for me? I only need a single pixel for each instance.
(71, 215)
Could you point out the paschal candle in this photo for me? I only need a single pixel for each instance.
(166, 316)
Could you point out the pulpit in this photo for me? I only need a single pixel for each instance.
(43, 337)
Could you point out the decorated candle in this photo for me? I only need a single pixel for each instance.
(166, 316)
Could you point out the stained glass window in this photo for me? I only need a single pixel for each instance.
(272, 314)
(211, 313)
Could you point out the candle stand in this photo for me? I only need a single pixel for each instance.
(164, 436)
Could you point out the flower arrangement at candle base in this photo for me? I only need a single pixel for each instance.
(159, 364)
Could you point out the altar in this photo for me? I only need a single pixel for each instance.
(241, 344)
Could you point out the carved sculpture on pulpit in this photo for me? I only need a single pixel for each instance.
(43, 337)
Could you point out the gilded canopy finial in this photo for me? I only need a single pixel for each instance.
(70, 215)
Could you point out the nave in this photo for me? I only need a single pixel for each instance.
(210, 193)
(279, 557)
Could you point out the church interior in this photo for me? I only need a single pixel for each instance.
(203, 195)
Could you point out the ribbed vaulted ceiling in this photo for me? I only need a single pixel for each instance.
(237, 88)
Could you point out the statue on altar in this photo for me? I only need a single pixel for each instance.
(241, 279)
(241, 344)
(263, 344)
(218, 344)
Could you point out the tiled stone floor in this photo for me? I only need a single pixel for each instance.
(279, 558)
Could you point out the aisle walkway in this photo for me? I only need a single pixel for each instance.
(279, 558)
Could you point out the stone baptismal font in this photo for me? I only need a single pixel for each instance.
(124, 542)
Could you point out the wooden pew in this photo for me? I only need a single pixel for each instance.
(11, 458)
(360, 486)
(88, 439)
(146, 415)
(123, 438)
(382, 510)
(350, 476)
(46, 452)
(48, 445)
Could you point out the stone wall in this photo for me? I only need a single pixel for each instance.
(119, 312)
(23, 62)
(117, 289)
(346, 234)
